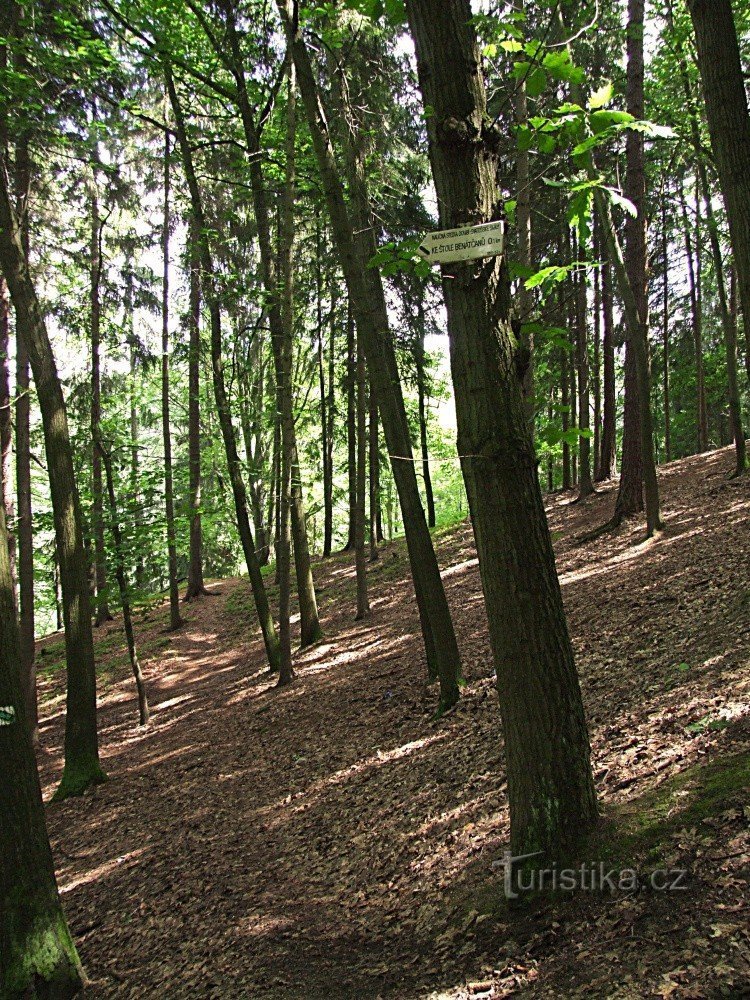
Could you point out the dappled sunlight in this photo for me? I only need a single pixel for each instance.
(100, 871)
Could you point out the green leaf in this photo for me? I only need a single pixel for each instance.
(602, 97)
(536, 82)
(622, 202)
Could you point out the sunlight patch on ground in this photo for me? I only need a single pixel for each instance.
(130, 859)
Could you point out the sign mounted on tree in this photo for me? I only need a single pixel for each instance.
(466, 243)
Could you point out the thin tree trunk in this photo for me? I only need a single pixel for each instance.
(284, 352)
(585, 481)
(310, 630)
(523, 234)
(597, 442)
(97, 489)
(367, 299)
(608, 461)
(175, 619)
(82, 766)
(696, 309)
(195, 585)
(419, 363)
(351, 425)
(374, 468)
(665, 331)
(127, 618)
(360, 555)
(135, 447)
(550, 786)
(326, 424)
(220, 394)
(25, 531)
(37, 954)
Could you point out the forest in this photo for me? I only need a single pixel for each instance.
(374, 551)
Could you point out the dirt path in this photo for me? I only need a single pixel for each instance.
(331, 840)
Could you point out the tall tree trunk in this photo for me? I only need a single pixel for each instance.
(607, 461)
(665, 331)
(6, 428)
(550, 786)
(25, 530)
(419, 364)
(597, 442)
(239, 492)
(37, 954)
(523, 234)
(351, 425)
(696, 309)
(97, 489)
(195, 584)
(310, 630)
(127, 618)
(175, 619)
(326, 423)
(284, 352)
(374, 467)
(585, 481)
(360, 555)
(636, 260)
(729, 126)
(367, 299)
(82, 766)
(135, 445)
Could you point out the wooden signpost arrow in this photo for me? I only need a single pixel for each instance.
(466, 243)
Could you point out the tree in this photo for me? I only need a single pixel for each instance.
(729, 127)
(82, 766)
(550, 786)
(367, 300)
(37, 954)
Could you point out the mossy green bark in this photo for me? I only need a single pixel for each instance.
(43, 962)
(79, 774)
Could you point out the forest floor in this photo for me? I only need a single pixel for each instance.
(331, 840)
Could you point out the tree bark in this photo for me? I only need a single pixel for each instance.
(97, 488)
(367, 300)
(696, 310)
(127, 618)
(175, 619)
(37, 954)
(585, 481)
(351, 425)
(419, 364)
(82, 766)
(284, 352)
(239, 492)
(195, 585)
(728, 124)
(550, 786)
(665, 332)
(25, 530)
(374, 469)
(360, 555)
(310, 629)
(608, 460)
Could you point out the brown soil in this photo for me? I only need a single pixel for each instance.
(332, 840)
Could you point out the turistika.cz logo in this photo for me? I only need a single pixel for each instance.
(591, 876)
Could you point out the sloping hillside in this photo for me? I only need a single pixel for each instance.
(332, 840)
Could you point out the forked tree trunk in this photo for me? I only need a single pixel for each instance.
(82, 766)
(175, 619)
(368, 302)
(37, 956)
(239, 492)
(550, 786)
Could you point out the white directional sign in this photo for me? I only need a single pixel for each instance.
(466, 243)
